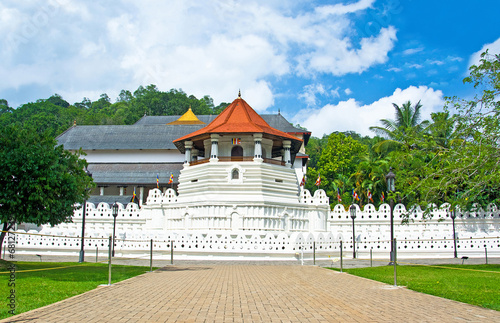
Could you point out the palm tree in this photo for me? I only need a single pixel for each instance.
(443, 129)
(370, 175)
(400, 131)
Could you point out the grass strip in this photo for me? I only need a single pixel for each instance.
(478, 285)
(35, 289)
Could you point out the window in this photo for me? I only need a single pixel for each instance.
(237, 151)
(235, 174)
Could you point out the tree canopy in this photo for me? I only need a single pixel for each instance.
(55, 115)
(454, 157)
(40, 182)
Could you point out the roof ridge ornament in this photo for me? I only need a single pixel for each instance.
(239, 94)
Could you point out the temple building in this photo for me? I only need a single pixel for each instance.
(124, 159)
(235, 193)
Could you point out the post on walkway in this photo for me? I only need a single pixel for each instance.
(109, 260)
(172, 252)
(486, 254)
(341, 257)
(314, 253)
(96, 254)
(371, 257)
(151, 256)
(395, 263)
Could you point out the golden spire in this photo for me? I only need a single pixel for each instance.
(187, 118)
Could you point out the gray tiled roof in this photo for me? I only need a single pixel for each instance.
(134, 173)
(110, 199)
(276, 121)
(158, 120)
(150, 132)
(124, 137)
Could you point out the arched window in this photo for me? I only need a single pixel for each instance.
(235, 174)
(237, 151)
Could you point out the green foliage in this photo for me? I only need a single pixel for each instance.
(453, 158)
(40, 182)
(458, 161)
(399, 132)
(56, 115)
(336, 161)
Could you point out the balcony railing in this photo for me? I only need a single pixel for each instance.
(238, 159)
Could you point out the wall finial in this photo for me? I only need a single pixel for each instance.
(239, 94)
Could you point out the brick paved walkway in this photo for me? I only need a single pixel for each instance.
(238, 293)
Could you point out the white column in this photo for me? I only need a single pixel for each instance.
(122, 189)
(141, 195)
(101, 190)
(257, 139)
(214, 154)
(287, 144)
(187, 154)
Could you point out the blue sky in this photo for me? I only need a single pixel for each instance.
(327, 65)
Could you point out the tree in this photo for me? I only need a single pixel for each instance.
(399, 131)
(339, 157)
(40, 182)
(56, 99)
(442, 128)
(4, 107)
(468, 171)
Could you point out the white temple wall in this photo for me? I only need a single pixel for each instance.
(257, 182)
(272, 230)
(134, 156)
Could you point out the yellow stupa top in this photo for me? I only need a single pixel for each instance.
(187, 118)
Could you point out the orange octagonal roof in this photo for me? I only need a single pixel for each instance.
(238, 117)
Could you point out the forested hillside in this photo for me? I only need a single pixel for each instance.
(55, 115)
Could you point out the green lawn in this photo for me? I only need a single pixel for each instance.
(467, 286)
(39, 288)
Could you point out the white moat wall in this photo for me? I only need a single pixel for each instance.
(268, 231)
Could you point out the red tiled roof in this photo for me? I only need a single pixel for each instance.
(238, 117)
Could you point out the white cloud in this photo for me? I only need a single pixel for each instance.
(415, 66)
(342, 9)
(339, 58)
(348, 91)
(202, 47)
(411, 51)
(312, 91)
(394, 69)
(494, 48)
(352, 115)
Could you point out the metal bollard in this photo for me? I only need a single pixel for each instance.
(314, 253)
(341, 257)
(172, 252)
(109, 261)
(96, 254)
(371, 257)
(486, 254)
(151, 256)
(395, 264)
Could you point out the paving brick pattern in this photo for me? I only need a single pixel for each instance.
(254, 293)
